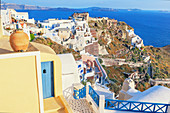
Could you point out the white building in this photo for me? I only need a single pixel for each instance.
(76, 38)
(54, 24)
(5, 17)
(21, 16)
(80, 68)
(155, 94)
(131, 33)
(103, 90)
(69, 71)
(52, 36)
(128, 90)
(137, 42)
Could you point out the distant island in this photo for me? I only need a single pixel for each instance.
(33, 7)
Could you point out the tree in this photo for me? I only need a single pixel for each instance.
(140, 69)
(100, 60)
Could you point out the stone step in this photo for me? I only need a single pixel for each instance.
(53, 105)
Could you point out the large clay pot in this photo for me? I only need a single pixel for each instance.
(19, 41)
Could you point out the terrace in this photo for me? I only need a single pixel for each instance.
(102, 105)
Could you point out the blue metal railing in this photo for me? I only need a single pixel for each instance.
(94, 95)
(123, 105)
(81, 93)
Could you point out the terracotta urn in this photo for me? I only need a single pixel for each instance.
(19, 41)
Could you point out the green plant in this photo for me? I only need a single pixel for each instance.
(147, 77)
(50, 43)
(100, 60)
(32, 37)
(84, 83)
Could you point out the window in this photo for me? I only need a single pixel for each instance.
(81, 71)
(79, 66)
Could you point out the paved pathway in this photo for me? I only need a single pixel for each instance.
(77, 105)
(80, 106)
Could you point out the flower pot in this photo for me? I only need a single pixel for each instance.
(19, 41)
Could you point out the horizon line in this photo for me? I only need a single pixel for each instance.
(88, 7)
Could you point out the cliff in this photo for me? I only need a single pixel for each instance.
(113, 36)
(166, 48)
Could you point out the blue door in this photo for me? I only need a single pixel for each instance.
(47, 79)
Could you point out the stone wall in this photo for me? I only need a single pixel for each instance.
(92, 49)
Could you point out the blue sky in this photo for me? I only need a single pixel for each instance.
(123, 4)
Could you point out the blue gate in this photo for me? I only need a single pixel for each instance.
(81, 93)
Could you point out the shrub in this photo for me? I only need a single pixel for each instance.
(100, 60)
(147, 77)
(32, 37)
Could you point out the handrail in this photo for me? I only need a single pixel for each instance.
(94, 95)
(134, 106)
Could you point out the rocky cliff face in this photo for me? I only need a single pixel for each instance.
(166, 48)
(117, 42)
(112, 35)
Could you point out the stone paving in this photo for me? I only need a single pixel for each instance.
(80, 106)
(77, 105)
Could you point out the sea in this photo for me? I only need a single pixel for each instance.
(152, 26)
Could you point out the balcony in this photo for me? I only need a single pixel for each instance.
(102, 105)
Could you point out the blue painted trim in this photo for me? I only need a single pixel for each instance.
(94, 95)
(81, 93)
(134, 106)
(79, 66)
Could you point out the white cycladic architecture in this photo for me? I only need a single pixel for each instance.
(137, 42)
(155, 94)
(131, 33)
(21, 15)
(31, 21)
(128, 90)
(69, 71)
(103, 91)
(5, 17)
(80, 68)
(79, 32)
